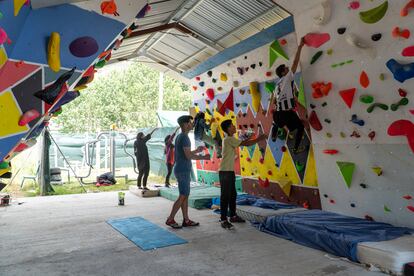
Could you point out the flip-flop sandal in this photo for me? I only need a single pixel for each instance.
(190, 223)
(173, 224)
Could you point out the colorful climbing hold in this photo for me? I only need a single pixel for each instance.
(256, 96)
(374, 15)
(210, 73)
(332, 201)
(4, 38)
(327, 121)
(382, 76)
(210, 93)
(264, 183)
(342, 134)
(371, 135)
(329, 135)
(366, 99)
(407, 7)
(314, 121)
(376, 37)
(316, 57)
(364, 186)
(341, 31)
(223, 77)
(403, 128)
(283, 149)
(401, 72)
(374, 105)
(407, 197)
(201, 83)
(404, 33)
(377, 170)
(354, 5)
(316, 40)
(28, 116)
(342, 63)
(402, 102)
(270, 87)
(355, 134)
(387, 209)
(85, 46)
(283, 42)
(321, 89)
(329, 51)
(411, 208)
(347, 170)
(408, 51)
(348, 96)
(299, 166)
(235, 83)
(276, 51)
(402, 92)
(198, 78)
(355, 120)
(109, 7)
(353, 205)
(330, 151)
(363, 79)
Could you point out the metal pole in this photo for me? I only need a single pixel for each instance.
(44, 170)
(112, 152)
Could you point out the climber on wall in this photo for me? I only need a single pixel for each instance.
(286, 99)
(169, 155)
(141, 154)
(200, 136)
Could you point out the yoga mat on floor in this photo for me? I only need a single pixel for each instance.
(144, 233)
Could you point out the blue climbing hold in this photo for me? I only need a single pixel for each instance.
(357, 121)
(401, 72)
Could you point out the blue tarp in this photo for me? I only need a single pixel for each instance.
(262, 202)
(334, 233)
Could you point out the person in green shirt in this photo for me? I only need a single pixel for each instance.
(227, 176)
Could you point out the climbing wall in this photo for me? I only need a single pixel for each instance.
(240, 90)
(358, 72)
(47, 56)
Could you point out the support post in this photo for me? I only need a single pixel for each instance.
(44, 170)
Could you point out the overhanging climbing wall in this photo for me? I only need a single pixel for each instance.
(46, 52)
(365, 141)
(239, 90)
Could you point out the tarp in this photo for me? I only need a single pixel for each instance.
(334, 233)
(169, 118)
(262, 202)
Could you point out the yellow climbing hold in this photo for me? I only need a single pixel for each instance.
(3, 56)
(53, 52)
(10, 110)
(223, 77)
(18, 4)
(286, 186)
(377, 170)
(256, 97)
(329, 52)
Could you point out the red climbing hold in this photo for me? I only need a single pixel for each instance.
(403, 128)
(28, 116)
(332, 201)
(305, 205)
(371, 135)
(321, 89)
(268, 74)
(408, 52)
(264, 183)
(195, 88)
(412, 111)
(198, 78)
(348, 96)
(316, 40)
(314, 121)
(269, 172)
(407, 7)
(228, 104)
(283, 42)
(396, 32)
(210, 93)
(402, 92)
(407, 197)
(364, 80)
(369, 218)
(411, 208)
(283, 149)
(331, 151)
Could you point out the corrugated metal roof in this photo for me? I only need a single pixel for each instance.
(219, 24)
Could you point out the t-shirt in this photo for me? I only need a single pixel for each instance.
(141, 150)
(229, 152)
(284, 93)
(182, 164)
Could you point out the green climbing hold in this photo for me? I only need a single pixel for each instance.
(374, 105)
(281, 133)
(403, 101)
(366, 99)
(209, 112)
(100, 64)
(276, 51)
(4, 165)
(347, 170)
(374, 15)
(299, 166)
(301, 96)
(386, 209)
(382, 76)
(270, 87)
(349, 61)
(329, 135)
(316, 57)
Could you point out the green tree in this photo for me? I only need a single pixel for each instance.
(126, 96)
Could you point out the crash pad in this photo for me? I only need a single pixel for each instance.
(347, 170)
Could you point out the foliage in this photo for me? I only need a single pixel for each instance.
(124, 95)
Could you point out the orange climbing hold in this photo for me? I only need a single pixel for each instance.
(321, 89)
(109, 7)
(364, 80)
(348, 96)
(407, 7)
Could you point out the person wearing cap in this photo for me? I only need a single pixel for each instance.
(182, 171)
(285, 115)
(141, 154)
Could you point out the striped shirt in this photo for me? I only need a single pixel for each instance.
(285, 90)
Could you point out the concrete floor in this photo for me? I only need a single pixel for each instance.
(68, 235)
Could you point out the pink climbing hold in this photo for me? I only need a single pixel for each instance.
(210, 93)
(28, 116)
(354, 5)
(408, 52)
(403, 128)
(316, 40)
(407, 7)
(4, 37)
(364, 80)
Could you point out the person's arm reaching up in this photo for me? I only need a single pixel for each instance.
(297, 56)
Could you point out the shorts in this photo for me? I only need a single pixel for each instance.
(183, 179)
(287, 118)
